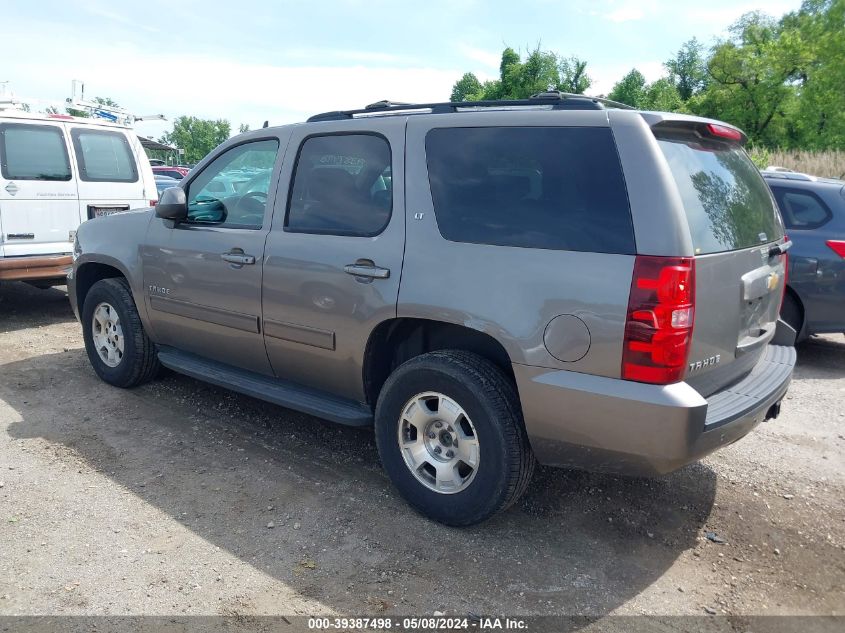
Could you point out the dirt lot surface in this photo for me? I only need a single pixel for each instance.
(181, 498)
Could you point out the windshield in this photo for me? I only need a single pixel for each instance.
(728, 205)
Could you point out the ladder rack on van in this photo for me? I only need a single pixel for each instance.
(98, 110)
(113, 114)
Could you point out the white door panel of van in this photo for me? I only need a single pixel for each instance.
(112, 177)
(36, 216)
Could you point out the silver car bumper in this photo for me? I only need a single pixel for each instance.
(609, 425)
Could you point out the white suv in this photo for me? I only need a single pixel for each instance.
(57, 171)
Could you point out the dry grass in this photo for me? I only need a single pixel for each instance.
(829, 164)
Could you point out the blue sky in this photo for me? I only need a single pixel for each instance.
(252, 60)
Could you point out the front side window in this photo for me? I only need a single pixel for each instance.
(104, 156)
(801, 209)
(33, 152)
(233, 189)
(342, 185)
(532, 187)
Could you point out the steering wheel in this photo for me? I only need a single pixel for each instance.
(253, 202)
(250, 207)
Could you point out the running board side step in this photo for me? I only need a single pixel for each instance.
(281, 392)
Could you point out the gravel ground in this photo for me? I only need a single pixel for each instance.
(180, 498)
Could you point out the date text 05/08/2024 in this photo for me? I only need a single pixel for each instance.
(432, 623)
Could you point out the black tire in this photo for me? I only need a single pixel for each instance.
(139, 363)
(491, 402)
(792, 312)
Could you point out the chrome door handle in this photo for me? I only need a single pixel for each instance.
(238, 258)
(367, 270)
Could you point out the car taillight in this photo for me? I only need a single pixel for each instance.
(837, 246)
(153, 203)
(658, 328)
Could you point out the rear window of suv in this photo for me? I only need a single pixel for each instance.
(533, 187)
(727, 202)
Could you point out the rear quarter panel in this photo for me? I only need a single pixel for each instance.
(510, 293)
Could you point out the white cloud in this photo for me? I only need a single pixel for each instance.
(148, 82)
(488, 59)
(720, 18)
(626, 14)
(630, 10)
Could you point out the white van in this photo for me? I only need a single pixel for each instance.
(57, 171)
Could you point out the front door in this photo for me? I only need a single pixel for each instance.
(202, 277)
(333, 261)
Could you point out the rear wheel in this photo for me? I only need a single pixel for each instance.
(120, 351)
(450, 435)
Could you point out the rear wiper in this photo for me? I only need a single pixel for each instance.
(780, 249)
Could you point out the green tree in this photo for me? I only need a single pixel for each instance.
(196, 136)
(817, 118)
(630, 90)
(467, 88)
(243, 127)
(519, 79)
(662, 95)
(755, 77)
(538, 73)
(573, 75)
(688, 69)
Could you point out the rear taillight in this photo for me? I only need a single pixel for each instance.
(661, 310)
(153, 203)
(837, 246)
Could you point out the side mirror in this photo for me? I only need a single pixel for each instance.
(172, 205)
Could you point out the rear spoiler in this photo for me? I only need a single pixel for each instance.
(668, 122)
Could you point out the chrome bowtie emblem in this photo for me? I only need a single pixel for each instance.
(12, 188)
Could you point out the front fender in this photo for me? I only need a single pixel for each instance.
(112, 241)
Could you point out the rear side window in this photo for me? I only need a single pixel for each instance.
(104, 156)
(552, 188)
(801, 209)
(342, 185)
(33, 152)
(727, 203)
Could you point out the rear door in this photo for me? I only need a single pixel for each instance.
(38, 196)
(740, 273)
(110, 174)
(334, 259)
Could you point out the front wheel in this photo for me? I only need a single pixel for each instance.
(120, 351)
(450, 435)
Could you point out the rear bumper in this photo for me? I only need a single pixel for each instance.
(34, 267)
(609, 425)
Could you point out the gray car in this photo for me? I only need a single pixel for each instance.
(488, 284)
(813, 211)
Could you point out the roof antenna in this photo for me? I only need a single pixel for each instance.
(266, 123)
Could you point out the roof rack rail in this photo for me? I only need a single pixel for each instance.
(556, 99)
